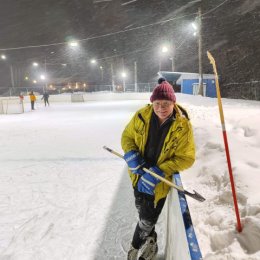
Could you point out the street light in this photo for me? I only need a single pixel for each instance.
(163, 51)
(3, 57)
(93, 61)
(42, 77)
(195, 27)
(35, 64)
(73, 44)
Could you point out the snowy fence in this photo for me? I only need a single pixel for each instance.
(247, 90)
(181, 241)
(96, 96)
(20, 107)
(74, 88)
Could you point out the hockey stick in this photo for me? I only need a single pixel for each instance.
(212, 61)
(194, 195)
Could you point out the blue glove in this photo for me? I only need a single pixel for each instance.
(135, 162)
(147, 182)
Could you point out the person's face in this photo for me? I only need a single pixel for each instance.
(163, 108)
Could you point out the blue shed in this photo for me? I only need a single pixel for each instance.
(190, 82)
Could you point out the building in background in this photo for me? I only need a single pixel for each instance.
(188, 83)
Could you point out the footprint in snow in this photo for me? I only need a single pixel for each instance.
(248, 132)
(214, 146)
(253, 164)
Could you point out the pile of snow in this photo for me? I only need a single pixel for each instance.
(215, 220)
(63, 197)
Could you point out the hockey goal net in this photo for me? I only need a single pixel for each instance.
(11, 106)
(77, 97)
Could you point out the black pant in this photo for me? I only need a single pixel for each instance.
(32, 105)
(46, 101)
(148, 216)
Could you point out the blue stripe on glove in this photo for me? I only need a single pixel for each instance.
(135, 162)
(147, 182)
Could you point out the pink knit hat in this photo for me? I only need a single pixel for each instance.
(163, 91)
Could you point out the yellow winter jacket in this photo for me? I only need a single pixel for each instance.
(178, 150)
(32, 97)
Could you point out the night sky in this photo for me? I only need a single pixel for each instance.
(122, 32)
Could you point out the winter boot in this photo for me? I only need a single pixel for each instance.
(132, 253)
(149, 249)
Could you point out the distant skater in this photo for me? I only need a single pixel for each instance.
(21, 98)
(33, 99)
(45, 97)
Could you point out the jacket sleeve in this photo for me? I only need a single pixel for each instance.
(128, 136)
(184, 155)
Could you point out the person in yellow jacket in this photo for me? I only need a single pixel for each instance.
(32, 99)
(160, 138)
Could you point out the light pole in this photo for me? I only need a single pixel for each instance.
(94, 63)
(198, 32)
(135, 64)
(102, 73)
(43, 78)
(45, 69)
(12, 75)
(172, 60)
(200, 55)
(123, 74)
(112, 77)
(164, 49)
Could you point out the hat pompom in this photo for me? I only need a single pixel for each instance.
(160, 80)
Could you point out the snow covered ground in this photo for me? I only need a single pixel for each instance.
(63, 197)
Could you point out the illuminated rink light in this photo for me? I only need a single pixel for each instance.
(73, 44)
(164, 49)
